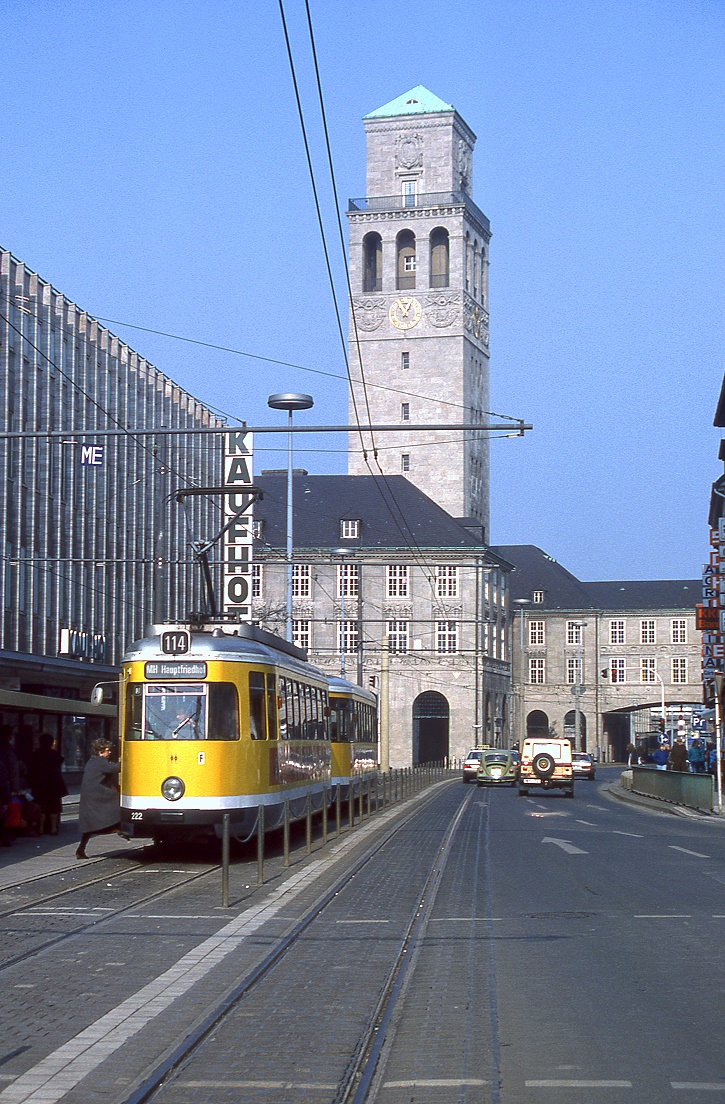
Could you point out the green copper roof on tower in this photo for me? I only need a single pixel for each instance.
(419, 101)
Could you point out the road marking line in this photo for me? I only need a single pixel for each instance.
(548, 814)
(565, 845)
(463, 919)
(699, 1086)
(587, 822)
(578, 1084)
(600, 808)
(684, 850)
(64, 1068)
(435, 1083)
(636, 835)
(663, 916)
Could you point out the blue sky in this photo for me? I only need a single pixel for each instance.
(154, 172)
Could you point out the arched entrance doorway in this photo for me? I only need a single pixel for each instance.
(570, 726)
(431, 720)
(537, 724)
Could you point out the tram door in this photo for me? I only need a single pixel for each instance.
(431, 728)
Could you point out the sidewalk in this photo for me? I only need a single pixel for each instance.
(616, 790)
(34, 856)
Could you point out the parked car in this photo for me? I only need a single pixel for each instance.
(498, 767)
(471, 764)
(582, 764)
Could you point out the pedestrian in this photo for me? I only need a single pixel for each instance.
(47, 784)
(660, 756)
(5, 795)
(100, 810)
(696, 757)
(631, 753)
(9, 759)
(677, 760)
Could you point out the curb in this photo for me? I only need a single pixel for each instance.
(656, 805)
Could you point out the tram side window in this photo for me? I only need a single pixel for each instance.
(257, 706)
(272, 707)
(283, 706)
(134, 702)
(293, 710)
(223, 711)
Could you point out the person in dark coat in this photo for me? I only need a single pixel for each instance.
(100, 809)
(47, 785)
(678, 757)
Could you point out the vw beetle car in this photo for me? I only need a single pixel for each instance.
(546, 765)
(498, 767)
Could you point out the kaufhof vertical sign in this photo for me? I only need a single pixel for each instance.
(711, 612)
(237, 547)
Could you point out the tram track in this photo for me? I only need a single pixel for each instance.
(98, 921)
(369, 1053)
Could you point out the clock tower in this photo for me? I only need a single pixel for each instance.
(419, 323)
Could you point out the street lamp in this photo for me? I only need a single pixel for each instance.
(579, 685)
(289, 401)
(522, 603)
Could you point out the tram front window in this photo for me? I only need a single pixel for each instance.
(175, 713)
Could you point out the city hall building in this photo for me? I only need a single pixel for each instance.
(415, 579)
(84, 509)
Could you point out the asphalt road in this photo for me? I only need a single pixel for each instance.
(606, 934)
(566, 951)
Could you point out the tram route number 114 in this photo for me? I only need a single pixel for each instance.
(175, 643)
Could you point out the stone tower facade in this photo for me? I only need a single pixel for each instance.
(419, 324)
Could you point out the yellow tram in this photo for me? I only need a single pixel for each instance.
(353, 732)
(219, 720)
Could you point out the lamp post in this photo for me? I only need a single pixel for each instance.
(579, 687)
(289, 401)
(522, 603)
(661, 681)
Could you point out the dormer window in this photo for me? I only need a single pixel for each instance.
(350, 529)
(409, 103)
(537, 597)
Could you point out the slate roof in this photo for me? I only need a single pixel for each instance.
(419, 101)
(535, 570)
(321, 502)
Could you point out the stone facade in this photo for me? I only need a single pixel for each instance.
(443, 605)
(620, 647)
(419, 324)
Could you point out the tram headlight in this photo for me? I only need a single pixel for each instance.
(172, 788)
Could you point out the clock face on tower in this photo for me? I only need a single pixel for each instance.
(405, 312)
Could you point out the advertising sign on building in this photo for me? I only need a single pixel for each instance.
(237, 549)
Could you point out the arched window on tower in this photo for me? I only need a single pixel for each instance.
(372, 263)
(439, 258)
(467, 262)
(405, 268)
(476, 269)
(484, 277)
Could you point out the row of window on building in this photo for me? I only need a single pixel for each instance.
(646, 632)
(642, 669)
(446, 637)
(445, 581)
